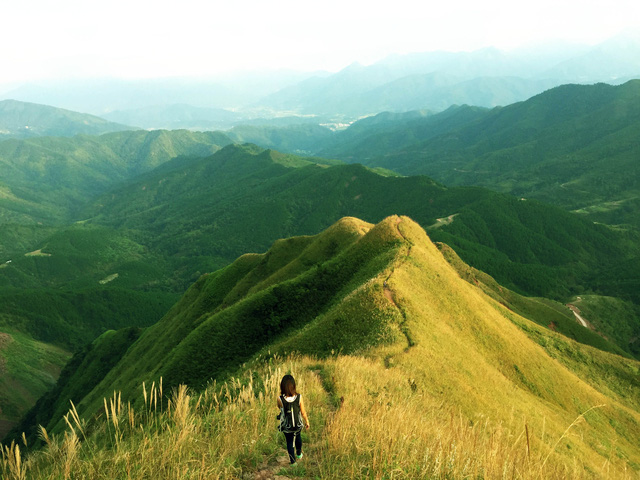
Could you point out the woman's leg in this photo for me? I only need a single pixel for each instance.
(290, 438)
(299, 443)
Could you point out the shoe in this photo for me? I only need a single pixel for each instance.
(299, 456)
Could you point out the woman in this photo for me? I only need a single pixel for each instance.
(293, 417)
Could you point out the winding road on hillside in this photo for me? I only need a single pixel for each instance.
(579, 318)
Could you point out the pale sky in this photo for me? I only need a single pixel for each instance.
(158, 38)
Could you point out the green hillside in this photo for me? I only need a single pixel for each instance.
(46, 179)
(574, 146)
(297, 138)
(141, 244)
(26, 120)
(84, 370)
(244, 198)
(385, 329)
(28, 369)
(614, 318)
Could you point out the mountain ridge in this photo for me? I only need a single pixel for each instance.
(402, 313)
(28, 120)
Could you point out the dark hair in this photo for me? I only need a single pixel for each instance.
(288, 386)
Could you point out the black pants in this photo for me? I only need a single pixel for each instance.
(292, 438)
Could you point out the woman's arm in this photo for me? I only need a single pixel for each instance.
(279, 403)
(304, 414)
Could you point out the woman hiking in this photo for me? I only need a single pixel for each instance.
(292, 416)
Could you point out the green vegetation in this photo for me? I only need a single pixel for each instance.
(244, 198)
(574, 146)
(72, 318)
(418, 337)
(130, 220)
(26, 120)
(46, 179)
(28, 369)
(614, 318)
(545, 312)
(80, 375)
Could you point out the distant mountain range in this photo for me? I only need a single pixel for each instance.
(437, 80)
(573, 145)
(26, 120)
(431, 80)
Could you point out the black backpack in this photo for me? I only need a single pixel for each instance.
(290, 416)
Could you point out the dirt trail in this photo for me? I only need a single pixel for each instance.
(269, 469)
(389, 294)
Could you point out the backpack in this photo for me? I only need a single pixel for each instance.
(290, 416)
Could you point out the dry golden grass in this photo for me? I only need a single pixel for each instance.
(368, 421)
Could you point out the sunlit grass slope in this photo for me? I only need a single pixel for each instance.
(229, 316)
(414, 372)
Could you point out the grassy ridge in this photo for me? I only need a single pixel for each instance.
(544, 312)
(216, 326)
(202, 209)
(486, 390)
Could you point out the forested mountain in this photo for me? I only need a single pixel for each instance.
(202, 208)
(573, 145)
(26, 120)
(47, 179)
(380, 322)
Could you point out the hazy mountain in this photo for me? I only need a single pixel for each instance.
(177, 116)
(426, 80)
(26, 120)
(103, 95)
(379, 321)
(615, 59)
(437, 80)
(304, 138)
(429, 92)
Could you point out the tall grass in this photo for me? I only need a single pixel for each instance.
(396, 431)
(367, 421)
(222, 432)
